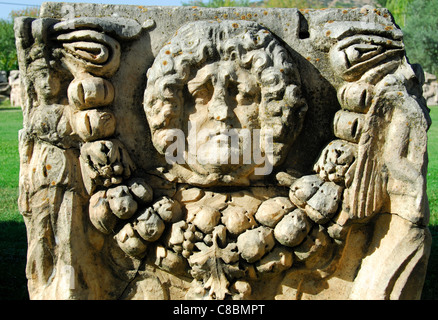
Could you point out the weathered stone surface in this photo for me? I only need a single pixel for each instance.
(15, 84)
(5, 86)
(271, 211)
(237, 219)
(254, 244)
(293, 228)
(397, 248)
(149, 226)
(430, 89)
(232, 153)
(100, 213)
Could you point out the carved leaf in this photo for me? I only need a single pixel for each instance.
(210, 265)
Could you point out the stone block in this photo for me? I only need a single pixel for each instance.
(231, 153)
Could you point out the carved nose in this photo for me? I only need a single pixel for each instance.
(219, 112)
(218, 108)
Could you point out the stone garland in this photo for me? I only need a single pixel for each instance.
(219, 237)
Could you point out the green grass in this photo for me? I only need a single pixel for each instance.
(430, 290)
(13, 244)
(432, 174)
(13, 234)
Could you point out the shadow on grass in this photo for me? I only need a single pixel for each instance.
(430, 289)
(13, 248)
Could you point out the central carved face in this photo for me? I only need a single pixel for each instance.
(223, 102)
(226, 99)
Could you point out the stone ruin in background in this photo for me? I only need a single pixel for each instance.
(233, 153)
(5, 89)
(15, 84)
(430, 89)
(10, 87)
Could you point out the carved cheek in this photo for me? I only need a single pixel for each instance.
(54, 84)
(247, 115)
(47, 85)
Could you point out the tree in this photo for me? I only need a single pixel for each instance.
(398, 8)
(8, 53)
(420, 34)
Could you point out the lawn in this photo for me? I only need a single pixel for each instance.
(13, 243)
(430, 290)
(13, 233)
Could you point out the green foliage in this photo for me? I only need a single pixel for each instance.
(398, 8)
(11, 122)
(13, 244)
(418, 20)
(420, 34)
(218, 3)
(432, 173)
(8, 53)
(430, 290)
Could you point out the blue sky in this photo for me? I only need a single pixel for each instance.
(7, 5)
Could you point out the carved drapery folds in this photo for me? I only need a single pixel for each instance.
(221, 211)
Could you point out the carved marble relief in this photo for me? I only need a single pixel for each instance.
(221, 158)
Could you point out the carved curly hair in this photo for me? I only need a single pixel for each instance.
(252, 47)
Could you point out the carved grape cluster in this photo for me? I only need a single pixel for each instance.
(119, 204)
